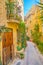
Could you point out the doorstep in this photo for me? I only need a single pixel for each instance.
(11, 62)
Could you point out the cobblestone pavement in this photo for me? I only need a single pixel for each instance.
(31, 56)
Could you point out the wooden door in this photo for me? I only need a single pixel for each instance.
(7, 43)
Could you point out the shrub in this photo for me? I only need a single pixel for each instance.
(22, 34)
(19, 48)
(21, 55)
(36, 34)
(27, 38)
(40, 46)
(24, 46)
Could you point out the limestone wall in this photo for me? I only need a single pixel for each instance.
(2, 13)
(32, 19)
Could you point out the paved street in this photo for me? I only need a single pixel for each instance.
(31, 56)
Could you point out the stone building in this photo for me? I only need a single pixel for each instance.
(9, 20)
(21, 9)
(32, 18)
(41, 1)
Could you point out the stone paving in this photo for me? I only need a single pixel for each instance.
(31, 56)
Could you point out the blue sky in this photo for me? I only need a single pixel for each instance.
(28, 4)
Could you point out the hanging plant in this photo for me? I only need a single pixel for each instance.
(10, 9)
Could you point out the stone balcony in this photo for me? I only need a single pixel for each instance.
(13, 21)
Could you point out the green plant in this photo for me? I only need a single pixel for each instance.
(19, 48)
(40, 46)
(36, 34)
(17, 17)
(27, 38)
(21, 55)
(22, 34)
(10, 8)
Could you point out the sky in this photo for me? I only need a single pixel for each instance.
(28, 4)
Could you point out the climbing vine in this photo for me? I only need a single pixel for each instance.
(22, 34)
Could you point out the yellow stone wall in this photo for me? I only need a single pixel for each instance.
(1, 47)
(3, 18)
(32, 19)
(41, 1)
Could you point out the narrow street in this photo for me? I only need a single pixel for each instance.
(31, 56)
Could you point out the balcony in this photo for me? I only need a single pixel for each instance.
(12, 10)
(13, 18)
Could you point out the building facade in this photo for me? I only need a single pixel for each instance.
(2, 13)
(9, 19)
(21, 9)
(32, 19)
(41, 1)
(42, 24)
